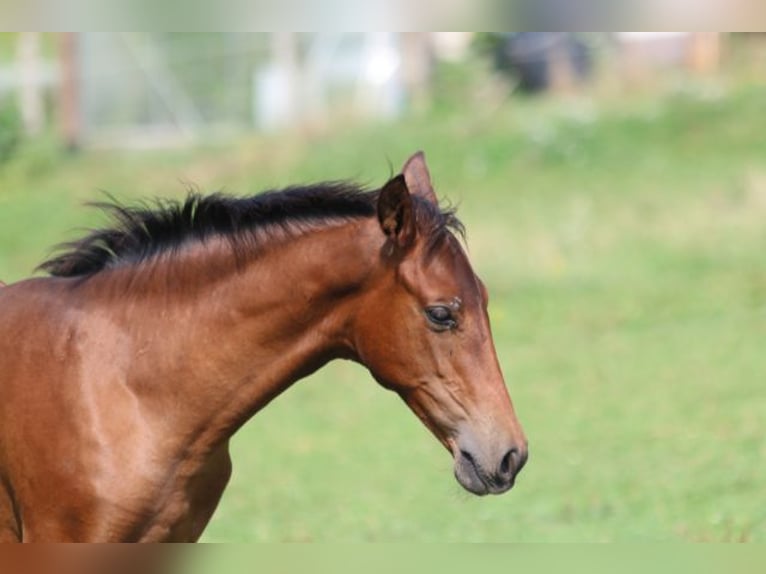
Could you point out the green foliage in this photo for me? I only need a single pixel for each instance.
(622, 243)
(10, 132)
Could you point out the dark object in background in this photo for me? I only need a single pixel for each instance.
(534, 58)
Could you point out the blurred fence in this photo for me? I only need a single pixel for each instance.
(159, 89)
(150, 89)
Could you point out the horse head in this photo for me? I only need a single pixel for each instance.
(424, 332)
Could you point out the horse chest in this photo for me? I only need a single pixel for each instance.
(188, 504)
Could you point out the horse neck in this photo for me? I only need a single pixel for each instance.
(214, 353)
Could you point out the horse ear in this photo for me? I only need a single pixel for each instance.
(418, 178)
(395, 212)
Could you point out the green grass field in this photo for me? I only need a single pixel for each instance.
(624, 246)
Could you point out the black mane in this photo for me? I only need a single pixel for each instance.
(138, 233)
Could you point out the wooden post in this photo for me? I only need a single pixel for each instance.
(69, 111)
(634, 65)
(561, 76)
(704, 52)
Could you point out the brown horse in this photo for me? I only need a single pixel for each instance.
(124, 375)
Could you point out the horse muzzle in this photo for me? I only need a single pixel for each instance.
(483, 475)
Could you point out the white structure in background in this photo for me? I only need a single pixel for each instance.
(452, 46)
(380, 86)
(27, 79)
(31, 82)
(358, 73)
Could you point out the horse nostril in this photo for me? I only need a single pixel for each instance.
(506, 464)
(512, 462)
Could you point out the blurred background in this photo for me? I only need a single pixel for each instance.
(614, 191)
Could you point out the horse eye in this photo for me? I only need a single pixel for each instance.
(441, 316)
